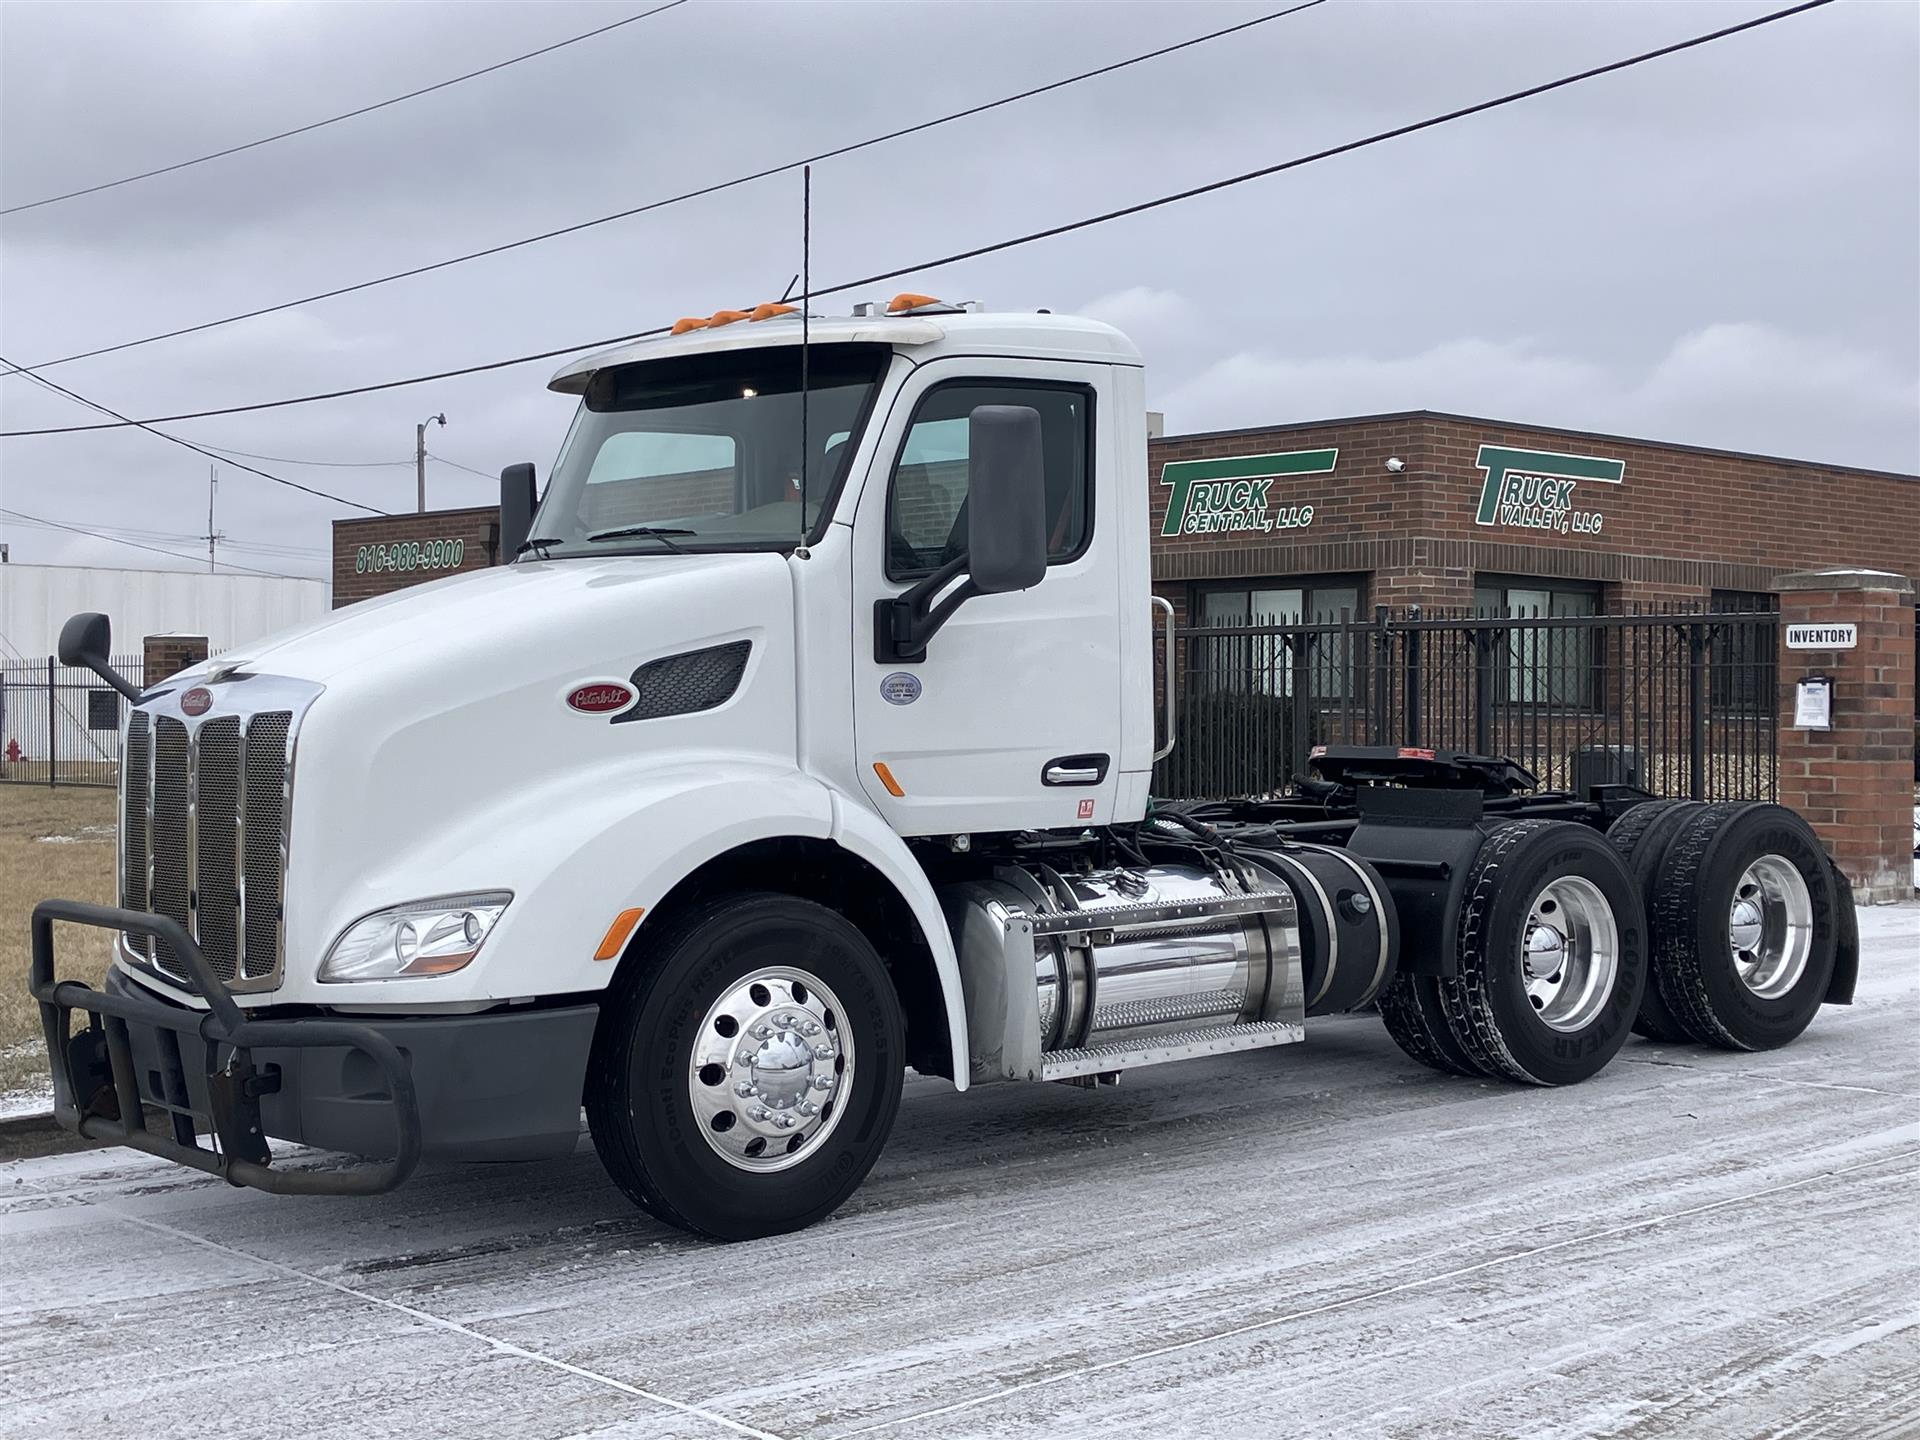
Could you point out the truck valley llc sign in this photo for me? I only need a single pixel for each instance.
(1234, 493)
(1536, 489)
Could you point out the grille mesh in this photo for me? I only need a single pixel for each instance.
(136, 767)
(169, 832)
(266, 815)
(216, 805)
(684, 684)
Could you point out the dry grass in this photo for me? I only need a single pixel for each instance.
(52, 842)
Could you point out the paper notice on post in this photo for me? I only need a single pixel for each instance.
(1813, 705)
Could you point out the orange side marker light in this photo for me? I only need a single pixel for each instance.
(724, 317)
(617, 934)
(771, 309)
(689, 322)
(907, 300)
(886, 779)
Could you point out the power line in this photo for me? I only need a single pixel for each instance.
(336, 119)
(168, 537)
(458, 466)
(60, 389)
(1379, 137)
(704, 190)
(291, 460)
(135, 544)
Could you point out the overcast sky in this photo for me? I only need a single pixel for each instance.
(1722, 247)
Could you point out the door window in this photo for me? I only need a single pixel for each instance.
(927, 497)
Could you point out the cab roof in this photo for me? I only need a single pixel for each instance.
(927, 336)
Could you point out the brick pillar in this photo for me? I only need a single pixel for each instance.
(164, 655)
(1854, 782)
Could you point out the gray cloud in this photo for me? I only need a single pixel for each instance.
(1723, 247)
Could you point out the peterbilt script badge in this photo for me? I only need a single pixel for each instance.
(196, 701)
(600, 697)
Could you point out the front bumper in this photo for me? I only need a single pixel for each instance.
(489, 1086)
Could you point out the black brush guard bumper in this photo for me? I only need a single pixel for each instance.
(96, 1088)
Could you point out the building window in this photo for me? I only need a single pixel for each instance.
(1745, 657)
(1264, 663)
(927, 502)
(1544, 664)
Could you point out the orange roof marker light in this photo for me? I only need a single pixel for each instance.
(724, 317)
(689, 322)
(768, 311)
(617, 934)
(886, 779)
(907, 301)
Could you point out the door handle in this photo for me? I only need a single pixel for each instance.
(1075, 770)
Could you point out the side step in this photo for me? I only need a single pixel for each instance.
(1214, 1040)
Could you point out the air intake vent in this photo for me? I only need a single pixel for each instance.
(684, 684)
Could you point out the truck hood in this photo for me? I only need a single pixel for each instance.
(554, 605)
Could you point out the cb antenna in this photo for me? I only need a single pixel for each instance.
(806, 294)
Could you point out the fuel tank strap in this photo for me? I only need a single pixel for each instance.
(1112, 917)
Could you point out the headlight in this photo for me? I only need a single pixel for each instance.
(424, 937)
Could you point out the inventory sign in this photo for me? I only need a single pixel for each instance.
(1539, 489)
(1235, 493)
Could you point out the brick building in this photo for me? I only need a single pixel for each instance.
(1453, 512)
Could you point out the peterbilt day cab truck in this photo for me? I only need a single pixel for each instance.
(809, 738)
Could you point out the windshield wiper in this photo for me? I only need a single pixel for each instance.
(661, 533)
(537, 542)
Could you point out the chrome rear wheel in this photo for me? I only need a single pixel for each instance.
(1571, 952)
(1770, 926)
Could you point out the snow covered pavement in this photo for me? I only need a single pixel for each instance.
(1324, 1238)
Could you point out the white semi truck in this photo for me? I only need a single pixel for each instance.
(809, 738)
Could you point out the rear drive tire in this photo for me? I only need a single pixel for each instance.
(1552, 950)
(1745, 918)
(1642, 836)
(747, 1067)
(1415, 1018)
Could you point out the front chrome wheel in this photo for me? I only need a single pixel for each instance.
(1770, 926)
(772, 1067)
(1570, 949)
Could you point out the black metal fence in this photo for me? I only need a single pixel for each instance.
(1682, 702)
(58, 724)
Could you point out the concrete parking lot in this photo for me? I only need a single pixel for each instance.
(1315, 1240)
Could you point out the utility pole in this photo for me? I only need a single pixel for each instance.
(213, 535)
(420, 457)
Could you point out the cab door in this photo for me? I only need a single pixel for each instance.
(1012, 719)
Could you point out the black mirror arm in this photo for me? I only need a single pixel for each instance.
(84, 640)
(903, 624)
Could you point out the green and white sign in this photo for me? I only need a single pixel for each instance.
(1536, 489)
(1235, 492)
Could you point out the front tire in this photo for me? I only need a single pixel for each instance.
(747, 1070)
(1552, 951)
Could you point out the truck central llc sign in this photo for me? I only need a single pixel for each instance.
(1537, 489)
(1235, 492)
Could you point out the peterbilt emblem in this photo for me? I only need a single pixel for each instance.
(196, 701)
(601, 697)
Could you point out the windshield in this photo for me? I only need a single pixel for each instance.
(702, 452)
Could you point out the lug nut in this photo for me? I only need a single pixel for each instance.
(808, 1108)
(785, 1122)
(745, 1057)
(812, 1027)
(744, 1089)
(823, 1083)
(763, 1031)
(823, 1052)
(758, 1112)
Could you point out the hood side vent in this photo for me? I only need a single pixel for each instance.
(687, 683)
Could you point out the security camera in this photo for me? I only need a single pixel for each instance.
(1395, 464)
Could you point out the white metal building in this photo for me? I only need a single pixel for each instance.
(35, 601)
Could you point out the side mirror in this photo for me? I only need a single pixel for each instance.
(86, 640)
(518, 501)
(1006, 499)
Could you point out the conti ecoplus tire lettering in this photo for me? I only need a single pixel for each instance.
(644, 1122)
(1702, 915)
(1642, 836)
(1514, 893)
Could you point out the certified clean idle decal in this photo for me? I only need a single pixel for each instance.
(1234, 492)
(1536, 489)
(902, 687)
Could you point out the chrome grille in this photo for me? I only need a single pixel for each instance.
(135, 766)
(203, 826)
(216, 811)
(265, 834)
(167, 822)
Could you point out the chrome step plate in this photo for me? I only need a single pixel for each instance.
(1187, 1045)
